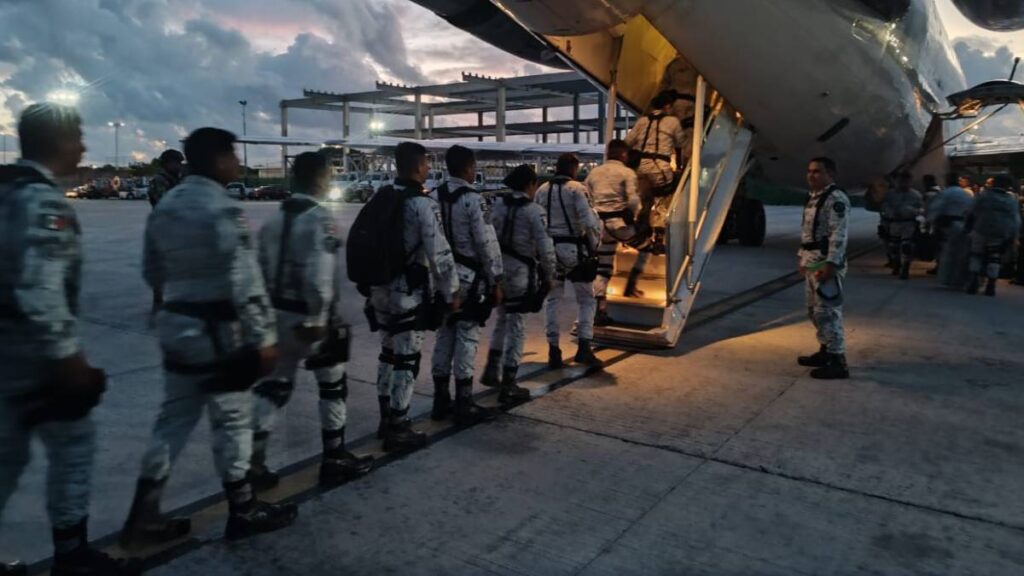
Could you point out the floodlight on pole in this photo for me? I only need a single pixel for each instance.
(245, 147)
(116, 125)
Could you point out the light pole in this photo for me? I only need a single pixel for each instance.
(5, 147)
(116, 125)
(245, 147)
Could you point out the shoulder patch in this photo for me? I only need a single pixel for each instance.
(54, 222)
(839, 208)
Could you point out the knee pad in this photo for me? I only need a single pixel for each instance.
(277, 392)
(337, 390)
(407, 363)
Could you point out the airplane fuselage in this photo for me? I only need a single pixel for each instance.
(812, 78)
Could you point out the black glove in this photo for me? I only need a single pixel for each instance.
(70, 391)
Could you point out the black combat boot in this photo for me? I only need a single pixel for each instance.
(442, 399)
(400, 435)
(13, 569)
(896, 266)
(248, 516)
(816, 360)
(384, 402)
(631, 290)
(834, 369)
(338, 464)
(492, 370)
(905, 271)
(261, 477)
(601, 318)
(468, 412)
(554, 358)
(973, 285)
(74, 557)
(990, 287)
(512, 393)
(585, 356)
(146, 526)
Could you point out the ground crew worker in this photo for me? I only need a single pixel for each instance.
(166, 178)
(994, 223)
(613, 189)
(298, 256)
(656, 137)
(525, 246)
(576, 231)
(396, 305)
(217, 336)
(46, 385)
(479, 266)
(902, 208)
(822, 261)
(946, 214)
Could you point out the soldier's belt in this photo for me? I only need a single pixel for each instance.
(211, 311)
(821, 246)
(655, 156)
(578, 240)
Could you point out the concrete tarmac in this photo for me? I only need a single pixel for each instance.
(718, 457)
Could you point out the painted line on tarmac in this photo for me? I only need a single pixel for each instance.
(299, 480)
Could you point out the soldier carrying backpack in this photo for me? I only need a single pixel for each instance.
(398, 256)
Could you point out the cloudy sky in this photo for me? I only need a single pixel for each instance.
(165, 66)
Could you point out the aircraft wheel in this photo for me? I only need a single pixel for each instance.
(751, 223)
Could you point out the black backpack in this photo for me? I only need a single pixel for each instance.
(375, 252)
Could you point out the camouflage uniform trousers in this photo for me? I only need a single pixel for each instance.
(231, 420)
(509, 335)
(826, 314)
(610, 240)
(70, 448)
(456, 343)
(986, 255)
(900, 241)
(290, 354)
(395, 311)
(585, 302)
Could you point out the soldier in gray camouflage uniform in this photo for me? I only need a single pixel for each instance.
(903, 209)
(46, 386)
(396, 305)
(478, 262)
(168, 177)
(298, 256)
(994, 223)
(525, 246)
(217, 335)
(822, 258)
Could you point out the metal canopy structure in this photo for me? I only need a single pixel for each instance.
(474, 95)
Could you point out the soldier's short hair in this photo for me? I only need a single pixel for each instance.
(520, 177)
(664, 98)
(1003, 181)
(952, 179)
(307, 167)
(408, 156)
(458, 159)
(828, 163)
(566, 163)
(204, 146)
(43, 126)
(171, 155)
(930, 180)
(617, 147)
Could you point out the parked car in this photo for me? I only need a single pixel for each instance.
(378, 179)
(269, 193)
(358, 192)
(238, 191)
(133, 194)
(340, 185)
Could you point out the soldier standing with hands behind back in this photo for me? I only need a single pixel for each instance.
(46, 385)
(822, 258)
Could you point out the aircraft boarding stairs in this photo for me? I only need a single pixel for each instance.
(696, 214)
